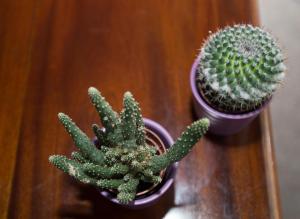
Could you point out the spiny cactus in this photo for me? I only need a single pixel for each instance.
(239, 68)
(124, 159)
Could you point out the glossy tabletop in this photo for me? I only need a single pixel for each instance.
(50, 53)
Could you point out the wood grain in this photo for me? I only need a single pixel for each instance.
(15, 49)
(52, 51)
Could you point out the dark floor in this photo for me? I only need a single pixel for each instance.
(282, 18)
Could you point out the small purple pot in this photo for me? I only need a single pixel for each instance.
(159, 190)
(220, 123)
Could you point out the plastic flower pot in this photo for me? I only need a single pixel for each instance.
(158, 136)
(220, 123)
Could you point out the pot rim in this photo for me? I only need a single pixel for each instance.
(158, 191)
(198, 97)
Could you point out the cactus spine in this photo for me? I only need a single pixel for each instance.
(239, 68)
(124, 159)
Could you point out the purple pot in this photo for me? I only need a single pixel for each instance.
(220, 123)
(153, 196)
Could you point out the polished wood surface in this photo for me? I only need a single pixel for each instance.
(52, 51)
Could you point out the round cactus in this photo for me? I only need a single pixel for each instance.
(239, 68)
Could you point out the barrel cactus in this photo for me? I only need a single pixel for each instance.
(239, 68)
(122, 159)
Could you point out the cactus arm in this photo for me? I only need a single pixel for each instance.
(97, 171)
(101, 136)
(140, 131)
(76, 155)
(126, 197)
(81, 140)
(129, 186)
(108, 117)
(127, 191)
(72, 168)
(149, 177)
(133, 124)
(128, 117)
(182, 146)
(109, 183)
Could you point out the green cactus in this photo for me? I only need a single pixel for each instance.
(124, 159)
(239, 68)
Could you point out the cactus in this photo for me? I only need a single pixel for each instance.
(239, 68)
(124, 159)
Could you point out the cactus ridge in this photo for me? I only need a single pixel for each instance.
(122, 159)
(239, 68)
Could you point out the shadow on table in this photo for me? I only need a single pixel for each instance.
(90, 204)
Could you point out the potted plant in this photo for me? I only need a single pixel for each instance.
(132, 161)
(234, 76)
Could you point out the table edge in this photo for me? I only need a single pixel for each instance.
(270, 164)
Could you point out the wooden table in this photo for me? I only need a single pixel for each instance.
(52, 51)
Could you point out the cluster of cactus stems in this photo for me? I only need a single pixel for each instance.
(239, 68)
(124, 159)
